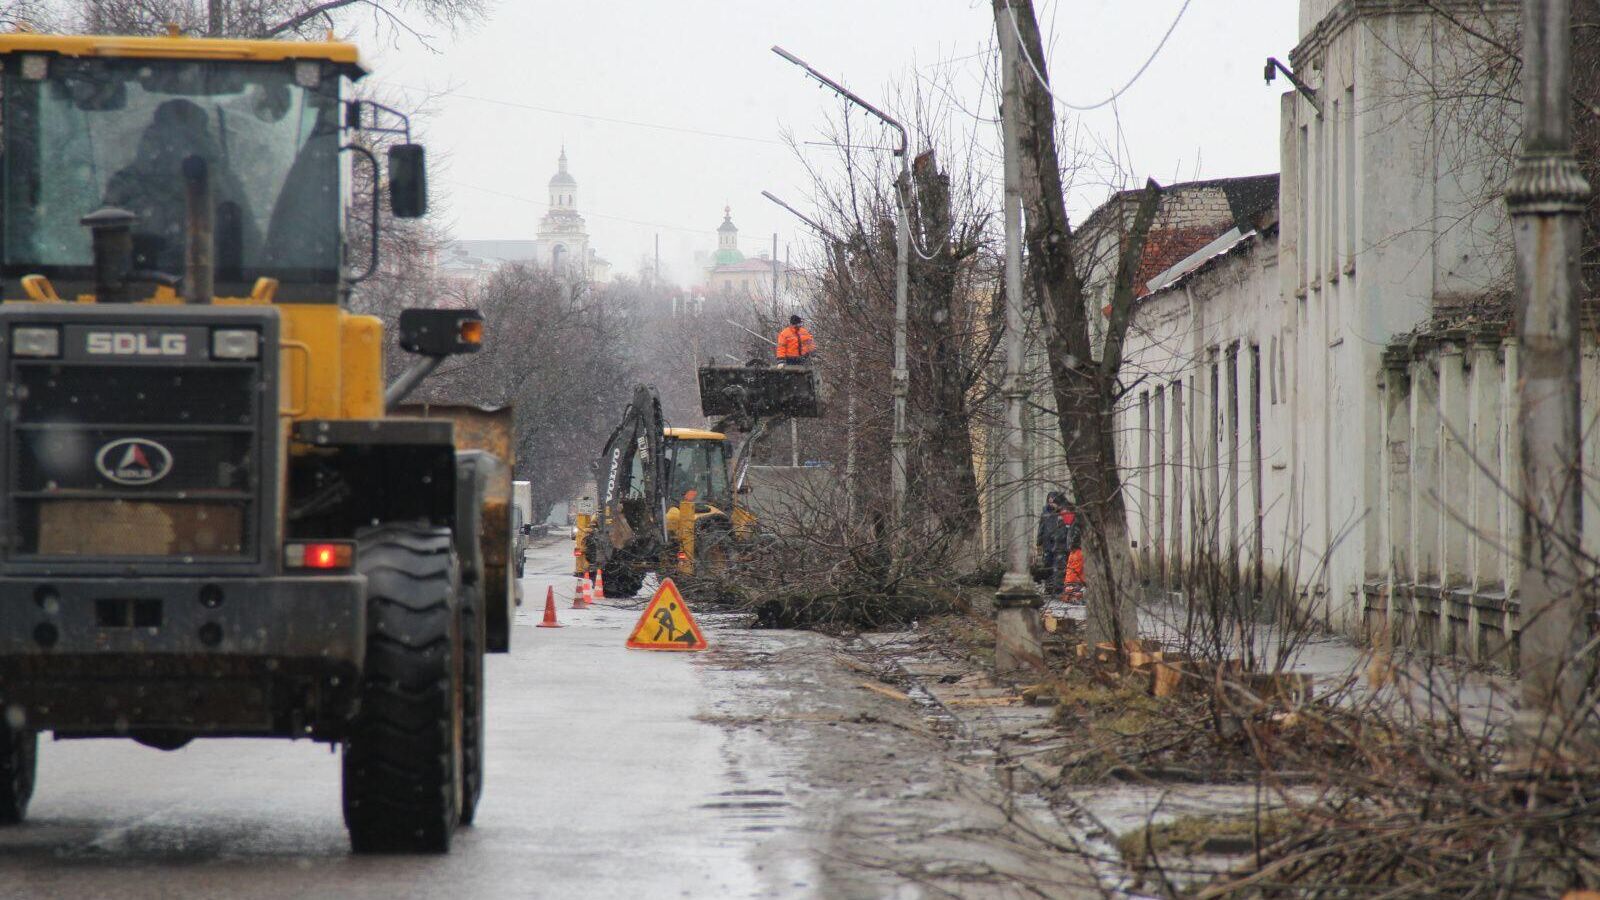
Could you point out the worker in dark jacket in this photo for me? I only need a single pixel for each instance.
(795, 344)
(1049, 541)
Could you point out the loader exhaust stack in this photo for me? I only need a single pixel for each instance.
(199, 230)
(111, 240)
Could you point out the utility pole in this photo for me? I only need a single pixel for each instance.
(777, 318)
(1546, 197)
(777, 314)
(214, 18)
(900, 377)
(1019, 631)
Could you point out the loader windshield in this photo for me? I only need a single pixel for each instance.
(82, 134)
(700, 466)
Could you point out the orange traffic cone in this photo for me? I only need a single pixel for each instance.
(600, 582)
(587, 591)
(550, 609)
(577, 597)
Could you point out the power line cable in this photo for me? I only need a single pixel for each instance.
(1017, 29)
(722, 135)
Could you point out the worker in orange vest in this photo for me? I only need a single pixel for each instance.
(1072, 539)
(795, 344)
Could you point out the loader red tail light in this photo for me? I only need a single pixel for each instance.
(323, 556)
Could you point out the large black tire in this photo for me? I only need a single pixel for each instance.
(19, 759)
(474, 642)
(402, 756)
(623, 581)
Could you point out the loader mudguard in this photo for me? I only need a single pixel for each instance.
(353, 472)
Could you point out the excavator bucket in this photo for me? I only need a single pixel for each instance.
(759, 391)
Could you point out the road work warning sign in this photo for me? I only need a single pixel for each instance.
(666, 623)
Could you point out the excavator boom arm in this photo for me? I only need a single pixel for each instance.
(619, 519)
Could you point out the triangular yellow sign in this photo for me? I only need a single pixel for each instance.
(666, 623)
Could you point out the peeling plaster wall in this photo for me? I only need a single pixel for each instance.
(1375, 494)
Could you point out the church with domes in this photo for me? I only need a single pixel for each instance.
(728, 271)
(563, 238)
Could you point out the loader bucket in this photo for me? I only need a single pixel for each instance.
(759, 391)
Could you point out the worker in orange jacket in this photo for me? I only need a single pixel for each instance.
(795, 344)
(1072, 539)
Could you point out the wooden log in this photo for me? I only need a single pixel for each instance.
(889, 692)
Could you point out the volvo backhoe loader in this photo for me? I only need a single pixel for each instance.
(664, 502)
(668, 500)
(209, 527)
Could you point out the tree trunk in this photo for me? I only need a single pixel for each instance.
(945, 480)
(1085, 391)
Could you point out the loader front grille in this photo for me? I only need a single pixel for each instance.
(142, 463)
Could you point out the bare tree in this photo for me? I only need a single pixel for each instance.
(33, 14)
(953, 291)
(1086, 389)
(270, 18)
(563, 353)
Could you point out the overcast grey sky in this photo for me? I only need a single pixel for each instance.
(705, 66)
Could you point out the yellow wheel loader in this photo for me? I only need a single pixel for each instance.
(210, 525)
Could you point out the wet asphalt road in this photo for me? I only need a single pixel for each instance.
(604, 779)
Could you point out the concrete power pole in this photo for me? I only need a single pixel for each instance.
(1546, 197)
(900, 378)
(215, 19)
(1019, 641)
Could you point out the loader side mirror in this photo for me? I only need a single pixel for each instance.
(441, 332)
(408, 181)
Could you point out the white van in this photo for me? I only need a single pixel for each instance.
(521, 521)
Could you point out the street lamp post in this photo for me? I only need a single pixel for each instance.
(900, 376)
(841, 263)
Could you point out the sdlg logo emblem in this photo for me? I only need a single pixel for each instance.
(133, 461)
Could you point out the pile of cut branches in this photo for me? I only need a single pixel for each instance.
(1418, 807)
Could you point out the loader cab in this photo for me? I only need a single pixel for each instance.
(699, 463)
(89, 126)
(251, 145)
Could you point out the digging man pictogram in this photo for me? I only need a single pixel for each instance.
(669, 627)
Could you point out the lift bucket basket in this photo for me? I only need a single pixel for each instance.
(758, 391)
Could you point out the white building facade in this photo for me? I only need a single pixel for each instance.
(1326, 407)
